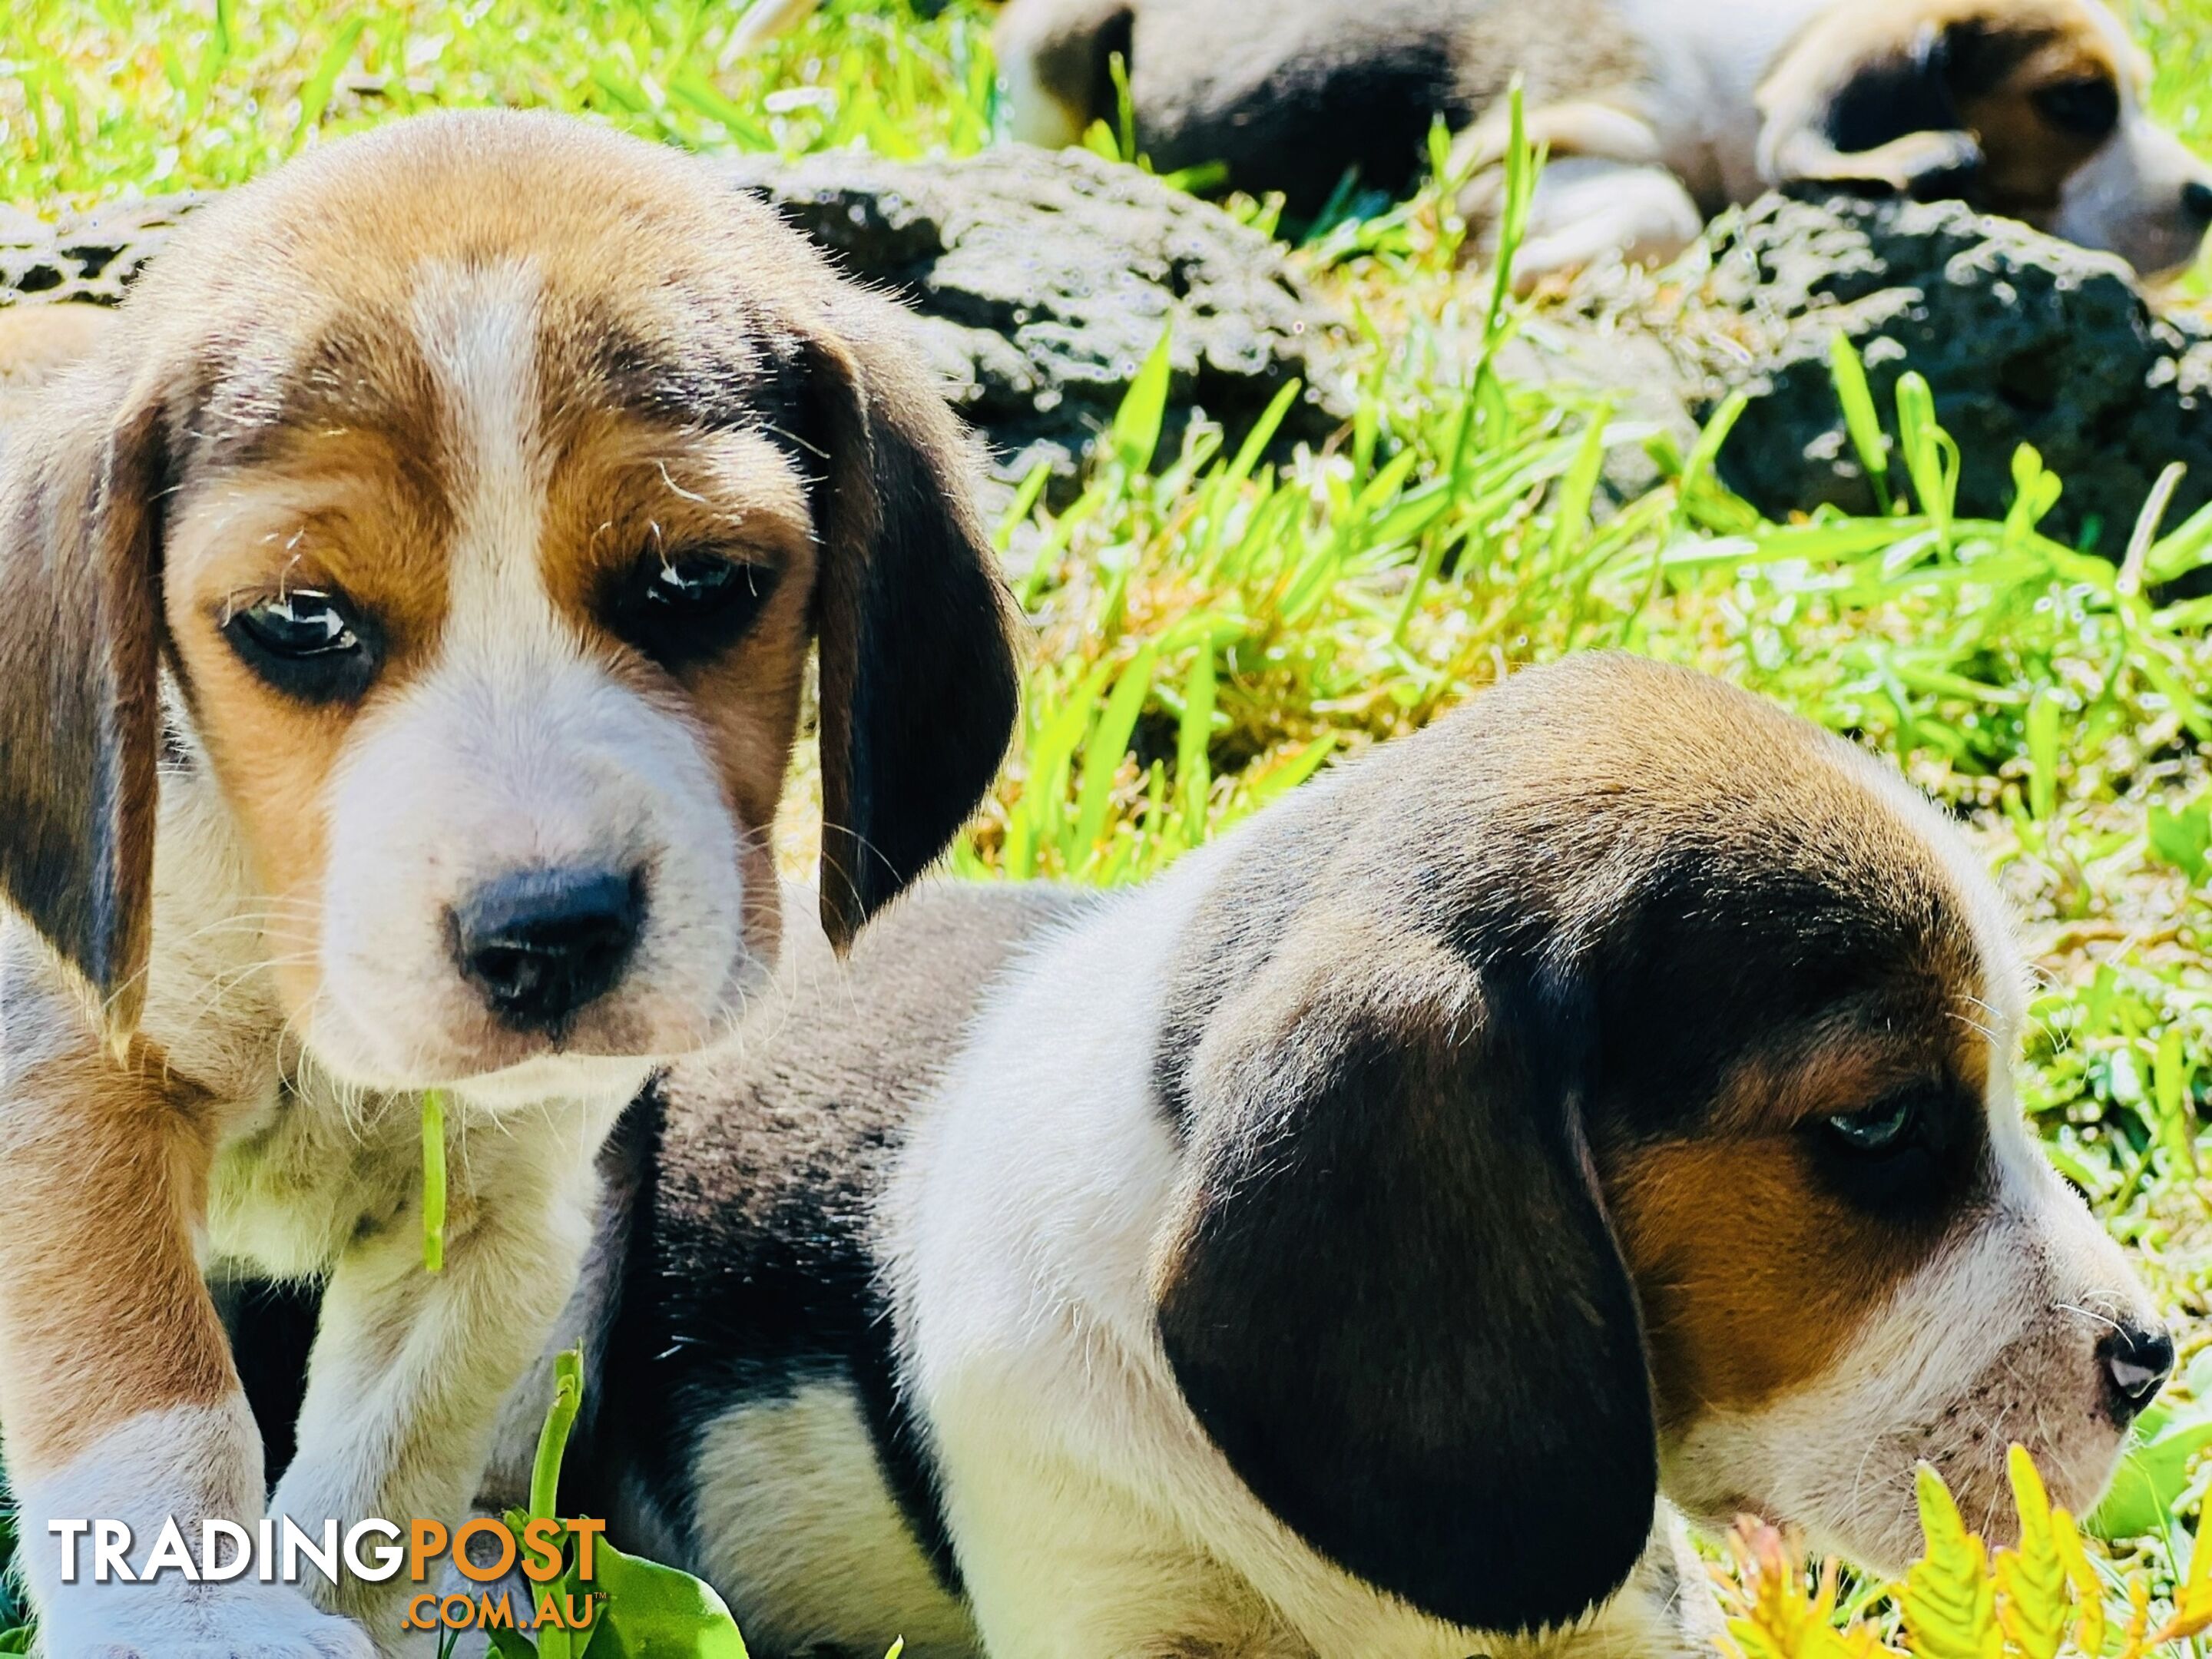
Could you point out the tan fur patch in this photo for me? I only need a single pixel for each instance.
(107, 1315)
(625, 492)
(357, 509)
(1753, 1281)
(1754, 1277)
(37, 342)
(2028, 159)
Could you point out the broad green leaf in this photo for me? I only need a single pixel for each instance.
(654, 1612)
(2153, 1474)
(2183, 838)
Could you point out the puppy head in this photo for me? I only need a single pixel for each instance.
(1612, 1098)
(1849, 1254)
(482, 482)
(2049, 93)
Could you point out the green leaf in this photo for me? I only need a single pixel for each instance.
(511, 1644)
(1194, 772)
(1137, 423)
(315, 93)
(1948, 1601)
(2043, 715)
(2153, 1474)
(1101, 754)
(433, 1180)
(1848, 373)
(2169, 1080)
(654, 1612)
(2184, 839)
(553, 1435)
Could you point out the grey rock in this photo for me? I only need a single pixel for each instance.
(2023, 339)
(1043, 280)
(90, 257)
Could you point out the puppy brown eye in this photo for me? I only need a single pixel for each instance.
(1879, 1129)
(2090, 106)
(306, 643)
(687, 608)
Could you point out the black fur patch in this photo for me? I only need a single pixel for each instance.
(271, 1324)
(919, 682)
(718, 1312)
(1888, 100)
(751, 1268)
(1397, 1308)
(1313, 119)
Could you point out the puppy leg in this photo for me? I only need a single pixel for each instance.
(1058, 1565)
(117, 1395)
(411, 1368)
(1929, 166)
(1587, 208)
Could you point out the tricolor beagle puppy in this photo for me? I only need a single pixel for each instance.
(403, 611)
(1657, 113)
(1354, 1241)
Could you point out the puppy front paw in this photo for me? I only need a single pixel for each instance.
(192, 1621)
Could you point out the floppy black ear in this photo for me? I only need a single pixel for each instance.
(919, 681)
(1904, 90)
(1854, 111)
(82, 474)
(1393, 1298)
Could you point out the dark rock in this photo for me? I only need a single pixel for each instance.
(2022, 339)
(1043, 280)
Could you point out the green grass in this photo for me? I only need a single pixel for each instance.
(103, 97)
(1213, 627)
(2178, 33)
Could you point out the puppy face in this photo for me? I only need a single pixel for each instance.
(1606, 1094)
(505, 471)
(2122, 195)
(2056, 103)
(1848, 1255)
(2049, 93)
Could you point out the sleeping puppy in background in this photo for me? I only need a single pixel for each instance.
(1364, 1239)
(1657, 113)
(403, 611)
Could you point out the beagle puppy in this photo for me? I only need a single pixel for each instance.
(404, 612)
(1657, 113)
(1366, 1238)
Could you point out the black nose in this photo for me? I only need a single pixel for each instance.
(543, 944)
(2196, 200)
(2136, 1364)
